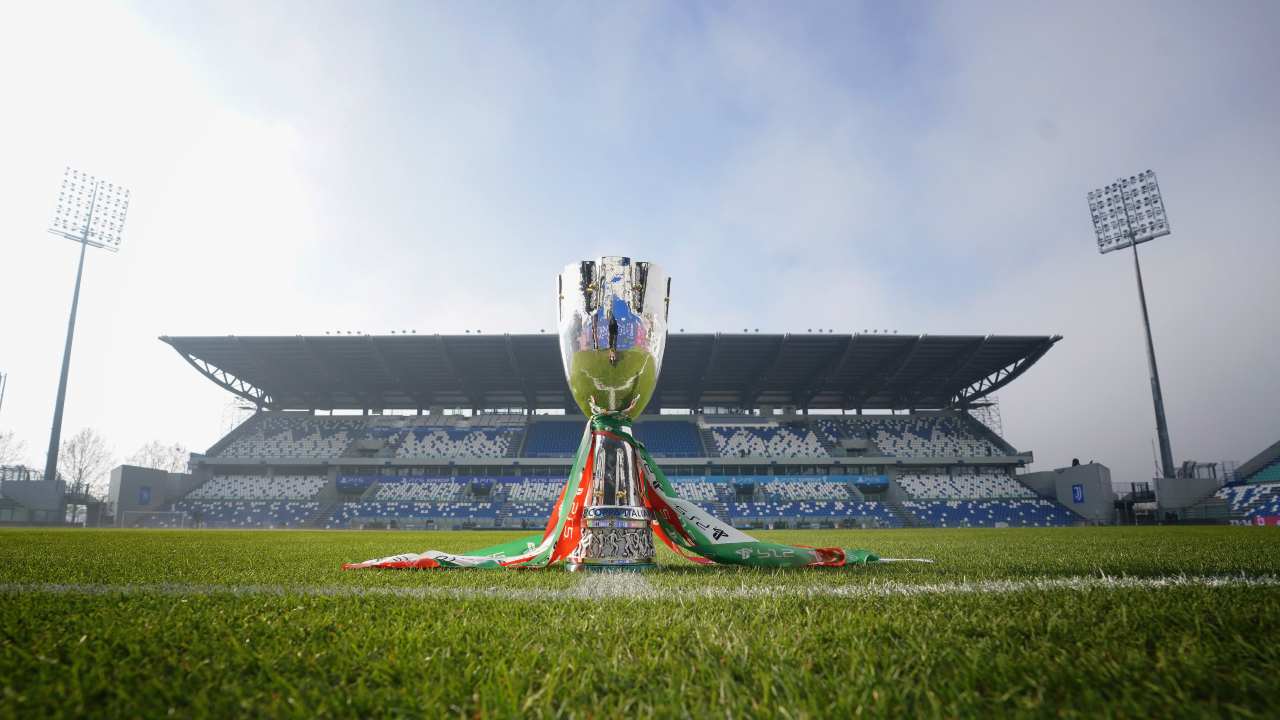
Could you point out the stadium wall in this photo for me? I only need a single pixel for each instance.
(1083, 489)
(1180, 493)
(135, 489)
(41, 501)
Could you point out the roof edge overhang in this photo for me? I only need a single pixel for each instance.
(809, 370)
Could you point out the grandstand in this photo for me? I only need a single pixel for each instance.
(478, 432)
(1252, 499)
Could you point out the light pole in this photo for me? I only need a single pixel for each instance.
(1126, 213)
(91, 212)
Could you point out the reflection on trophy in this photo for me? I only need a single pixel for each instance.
(613, 329)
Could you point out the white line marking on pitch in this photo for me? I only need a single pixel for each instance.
(619, 586)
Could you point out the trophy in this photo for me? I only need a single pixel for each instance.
(613, 329)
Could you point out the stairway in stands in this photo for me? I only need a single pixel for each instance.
(516, 448)
(321, 517)
(832, 448)
(904, 518)
(716, 509)
(708, 442)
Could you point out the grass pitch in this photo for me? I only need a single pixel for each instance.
(1113, 621)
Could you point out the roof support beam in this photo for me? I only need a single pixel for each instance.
(1003, 376)
(957, 370)
(767, 369)
(701, 384)
(464, 382)
(888, 371)
(855, 371)
(820, 380)
(337, 376)
(530, 398)
(268, 372)
(321, 367)
(227, 381)
(385, 366)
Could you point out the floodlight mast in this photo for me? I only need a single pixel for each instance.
(74, 219)
(1120, 226)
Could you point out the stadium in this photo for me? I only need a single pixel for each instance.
(768, 431)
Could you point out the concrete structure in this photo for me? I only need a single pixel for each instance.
(1085, 489)
(27, 498)
(139, 489)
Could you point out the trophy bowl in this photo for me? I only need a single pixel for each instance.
(613, 330)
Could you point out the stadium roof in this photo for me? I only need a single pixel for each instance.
(814, 370)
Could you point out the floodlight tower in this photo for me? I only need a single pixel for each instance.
(1126, 213)
(91, 212)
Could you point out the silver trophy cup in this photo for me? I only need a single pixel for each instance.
(613, 330)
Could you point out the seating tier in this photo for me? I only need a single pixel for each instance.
(989, 513)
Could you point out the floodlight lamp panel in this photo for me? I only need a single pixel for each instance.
(1128, 211)
(90, 210)
(71, 215)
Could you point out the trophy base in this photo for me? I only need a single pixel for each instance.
(615, 538)
(601, 568)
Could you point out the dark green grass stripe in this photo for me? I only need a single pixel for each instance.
(1184, 651)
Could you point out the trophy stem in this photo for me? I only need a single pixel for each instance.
(616, 532)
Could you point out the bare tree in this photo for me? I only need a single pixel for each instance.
(12, 449)
(160, 456)
(84, 463)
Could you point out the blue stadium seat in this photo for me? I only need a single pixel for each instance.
(247, 513)
(1252, 500)
(553, 438)
(783, 440)
(410, 511)
(670, 438)
(816, 510)
(925, 435)
(990, 513)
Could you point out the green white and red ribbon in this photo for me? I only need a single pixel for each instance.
(687, 529)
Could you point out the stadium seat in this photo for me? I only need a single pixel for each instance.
(786, 440)
(670, 438)
(1269, 473)
(418, 488)
(931, 435)
(991, 513)
(454, 442)
(259, 487)
(1252, 500)
(288, 436)
(870, 511)
(405, 512)
(962, 485)
(247, 514)
(553, 438)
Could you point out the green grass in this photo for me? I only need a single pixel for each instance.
(1183, 651)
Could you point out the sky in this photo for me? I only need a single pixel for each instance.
(920, 167)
